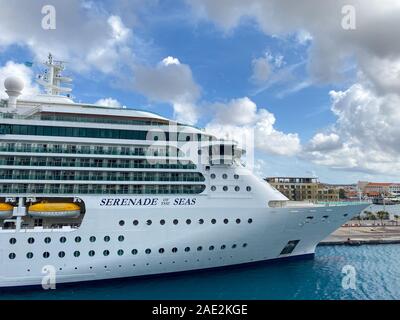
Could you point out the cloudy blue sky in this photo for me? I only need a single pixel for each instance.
(320, 99)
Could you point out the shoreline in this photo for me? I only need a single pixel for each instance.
(361, 235)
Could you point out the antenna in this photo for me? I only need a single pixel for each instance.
(52, 79)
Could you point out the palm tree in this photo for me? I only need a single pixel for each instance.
(382, 215)
(396, 217)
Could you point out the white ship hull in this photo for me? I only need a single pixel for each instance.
(264, 238)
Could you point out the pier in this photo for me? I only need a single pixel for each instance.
(364, 234)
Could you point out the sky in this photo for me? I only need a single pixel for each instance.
(316, 83)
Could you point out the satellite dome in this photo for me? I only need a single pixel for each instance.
(14, 84)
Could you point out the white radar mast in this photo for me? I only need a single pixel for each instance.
(51, 79)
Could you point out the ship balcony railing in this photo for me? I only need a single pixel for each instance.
(88, 178)
(97, 165)
(90, 152)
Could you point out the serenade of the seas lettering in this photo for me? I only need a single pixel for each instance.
(147, 202)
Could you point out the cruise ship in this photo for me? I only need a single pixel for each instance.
(90, 192)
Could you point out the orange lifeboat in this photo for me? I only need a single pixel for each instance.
(54, 210)
(6, 210)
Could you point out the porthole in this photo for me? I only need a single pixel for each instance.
(234, 246)
(148, 251)
(148, 222)
(213, 188)
(121, 238)
(187, 138)
(223, 247)
(244, 245)
(162, 222)
(176, 221)
(237, 221)
(106, 253)
(213, 221)
(224, 176)
(12, 255)
(225, 188)
(237, 188)
(92, 239)
(248, 188)
(121, 222)
(188, 221)
(13, 240)
(63, 239)
(236, 176)
(61, 254)
(78, 239)
(135, 222)
(161, 250)
(199, 152)
(250, 220)
(187, 249)
(107, 238)
(134, 252)
(212, 176)
(120, 252)
(47, 240)
(29, 255)
(211, 248)
(31, 240)
(46, 255)
(91, 253)
(77, 254)
(226, 221)
(174, 250)
(201, 221)
(199, 248)
(155, 138)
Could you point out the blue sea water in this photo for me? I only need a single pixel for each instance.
(377, 277)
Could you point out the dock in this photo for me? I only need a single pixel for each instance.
(359, 235)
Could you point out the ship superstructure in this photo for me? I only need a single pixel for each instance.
(97, 192)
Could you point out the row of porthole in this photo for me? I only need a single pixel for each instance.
(120, 252)
(188, 221)
(224, 176)
(64, 239)
(226, 188)
(121, 237)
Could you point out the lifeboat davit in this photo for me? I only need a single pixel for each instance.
(6, 210)
(54, 210)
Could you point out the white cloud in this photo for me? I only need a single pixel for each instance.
(170, 60)
(20, 70)
(264, 67)
(85, 36)
(365, 136)
(109, 102)
(172, 82)
(241, 120)
(317, 22)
